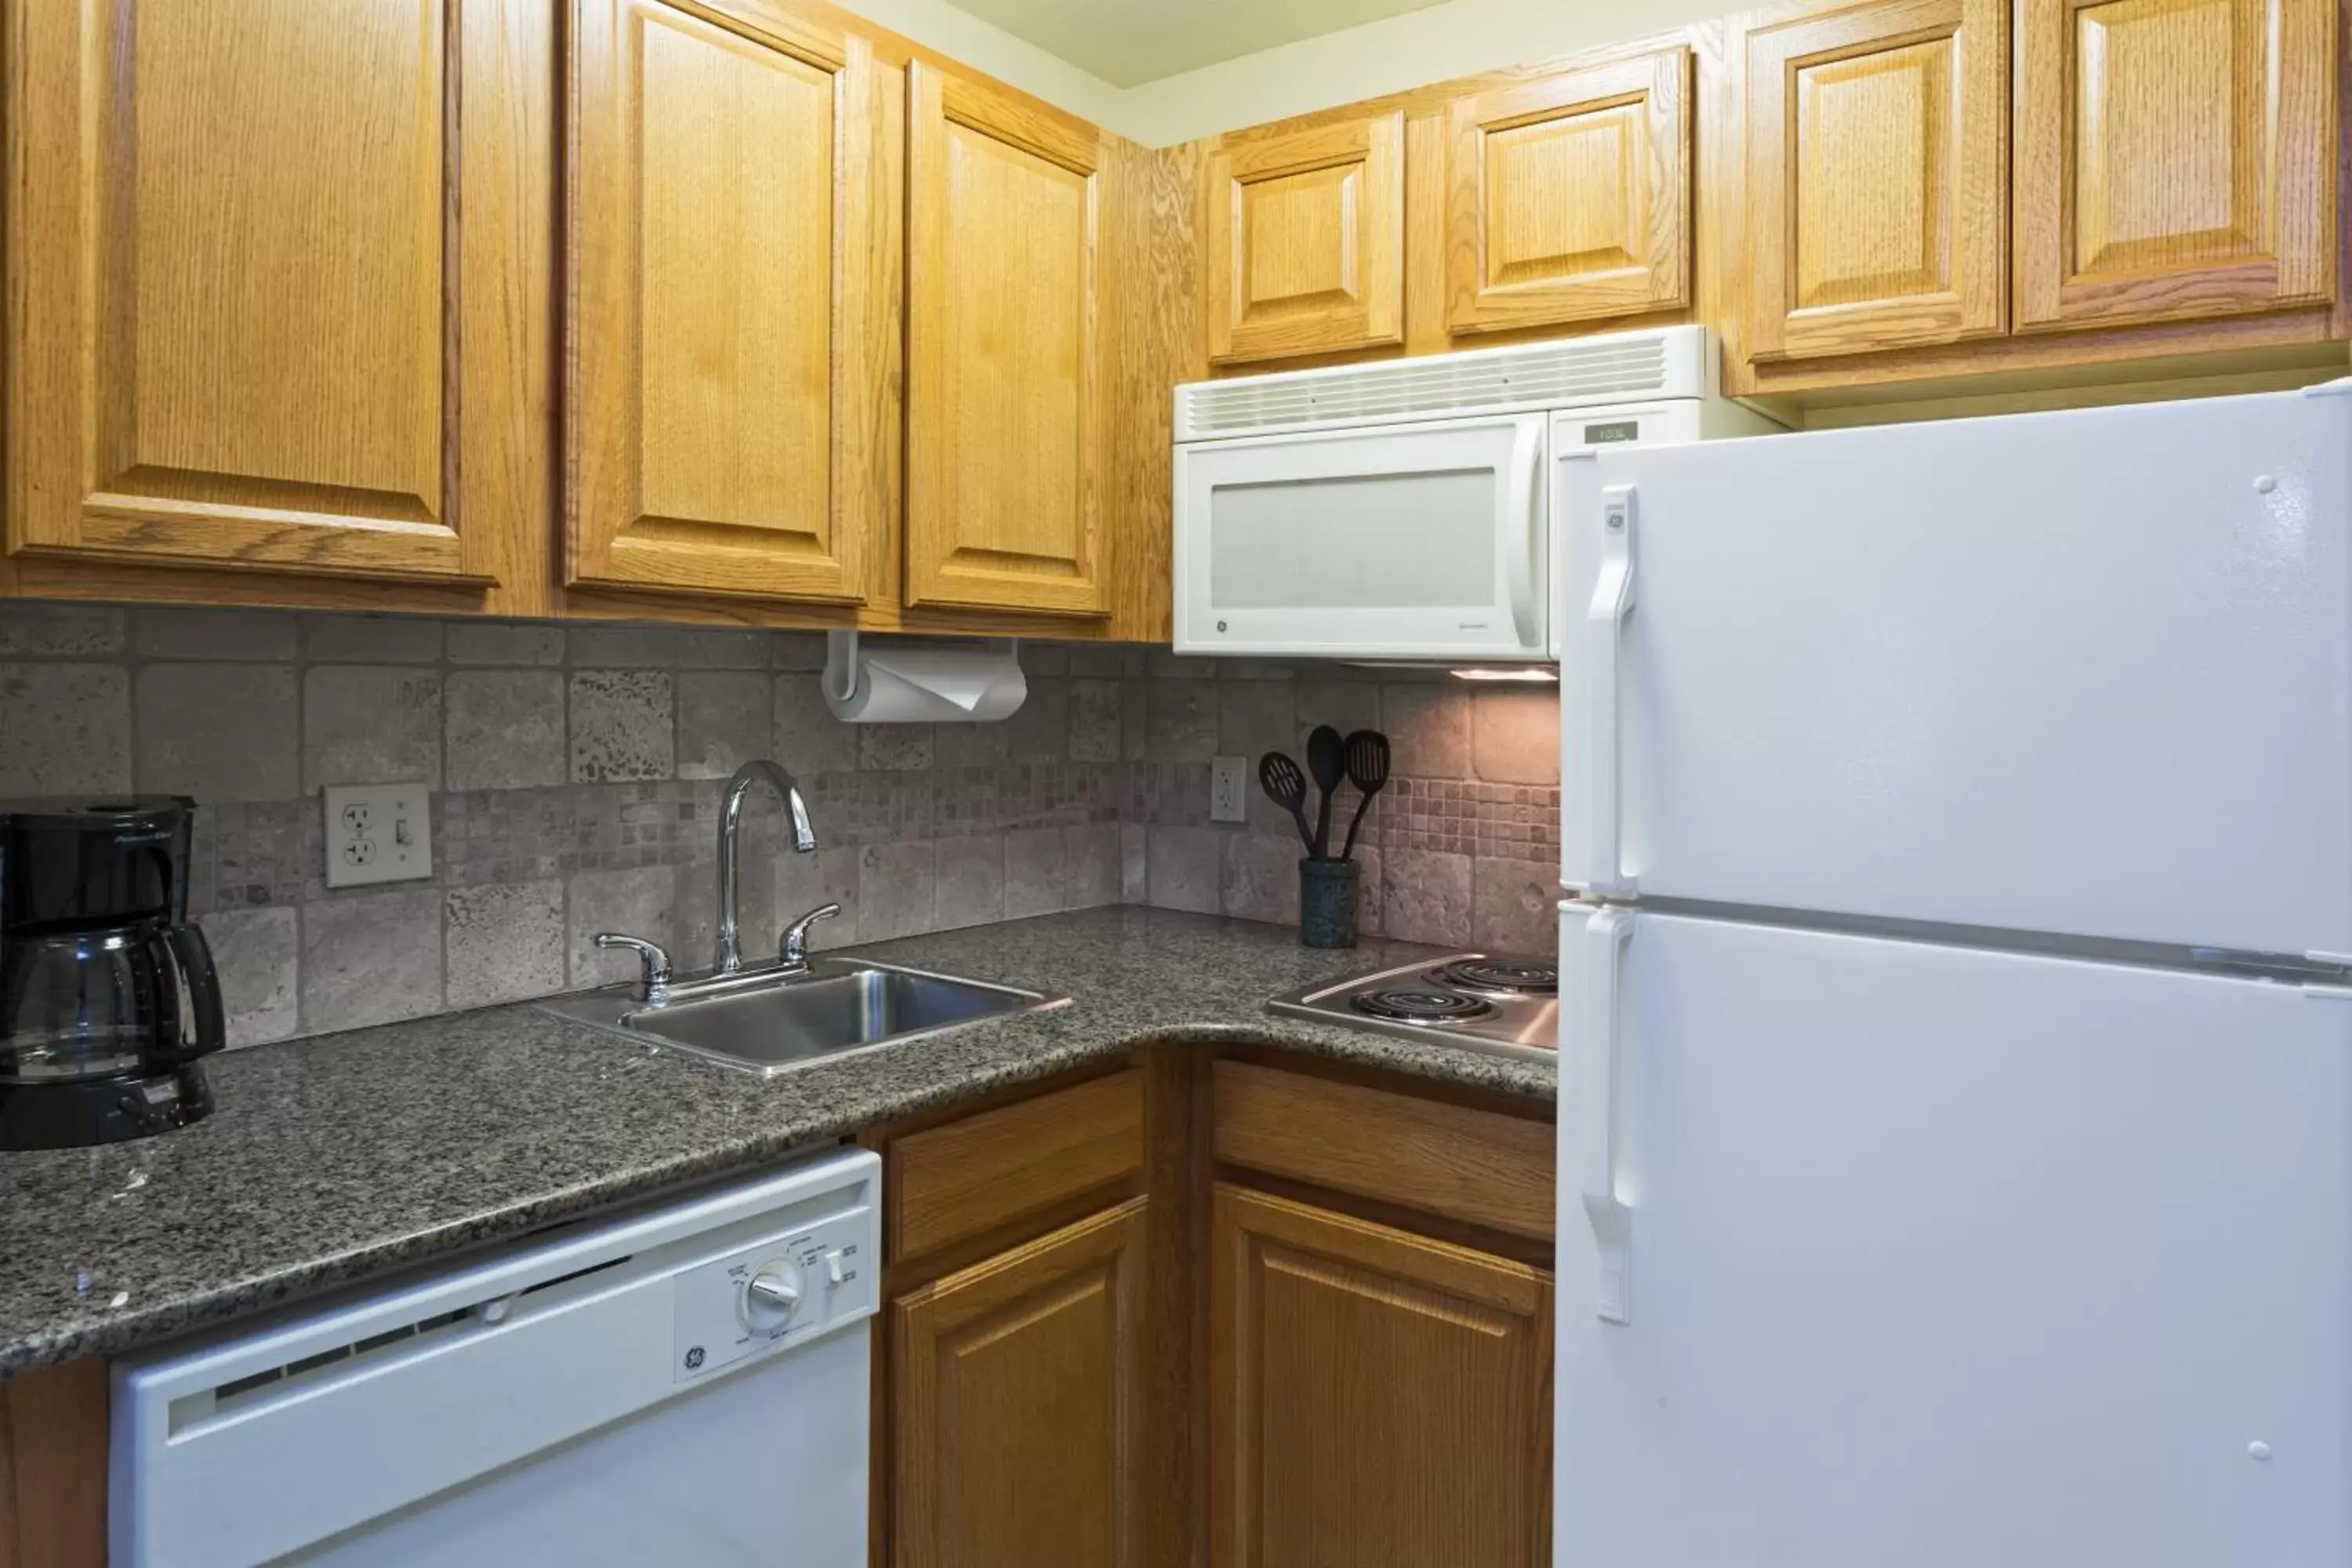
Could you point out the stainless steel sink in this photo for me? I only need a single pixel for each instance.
(769, 1023)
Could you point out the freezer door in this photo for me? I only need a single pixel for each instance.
(2085, 672)
(1945, 1258)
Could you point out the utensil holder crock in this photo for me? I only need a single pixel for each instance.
(1329, 891)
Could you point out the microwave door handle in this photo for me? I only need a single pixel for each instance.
(1604, 635)
(1520, 567)
(1598, 1069)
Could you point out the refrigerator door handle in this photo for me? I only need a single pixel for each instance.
(1604, 632)
(1606, 933)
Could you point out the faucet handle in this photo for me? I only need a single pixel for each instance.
(795, 942)
(653, 983)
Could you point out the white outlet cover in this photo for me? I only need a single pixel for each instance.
(378, 833)
(1228, 789)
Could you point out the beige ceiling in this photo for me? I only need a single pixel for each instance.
(1128, 42)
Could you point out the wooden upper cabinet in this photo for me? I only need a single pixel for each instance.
(1377, 1398)
(1877, 189)
(1306, 240)
(1016, 1389)
(734, 302)
(2175, 158)
(1569, 198)
(263, 260)
(1004, 447)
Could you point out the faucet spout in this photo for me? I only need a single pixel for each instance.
(730, 822)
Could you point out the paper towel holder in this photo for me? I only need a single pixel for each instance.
(839, 684)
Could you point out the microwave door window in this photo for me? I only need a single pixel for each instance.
(1421, 540)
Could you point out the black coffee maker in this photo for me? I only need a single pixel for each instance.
(107, 994)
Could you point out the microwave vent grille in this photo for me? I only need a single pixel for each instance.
(1621, 365)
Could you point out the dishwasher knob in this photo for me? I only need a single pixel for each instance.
(772, 1295)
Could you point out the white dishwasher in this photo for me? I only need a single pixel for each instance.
(679, 1383)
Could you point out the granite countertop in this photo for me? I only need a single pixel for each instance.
(334, 1158)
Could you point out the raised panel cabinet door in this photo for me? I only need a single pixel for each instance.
(262, 261)
(1379, 1400)
(1015, 1396)
(1306, 240)
(733, 271)
(1569, 198)
(1878, 192)
(2175, 159)
(1004, 436)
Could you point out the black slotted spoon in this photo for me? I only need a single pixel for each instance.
(1368, 770)
(1286, 787)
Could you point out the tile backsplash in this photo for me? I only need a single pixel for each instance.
(577, 769)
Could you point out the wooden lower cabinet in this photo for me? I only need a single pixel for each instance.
(1015, 1396)
(1378, 1400)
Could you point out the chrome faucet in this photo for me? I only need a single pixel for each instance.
(730, 821)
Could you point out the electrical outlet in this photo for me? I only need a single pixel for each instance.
(378, 833)
(1228, 795)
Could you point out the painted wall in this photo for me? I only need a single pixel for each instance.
(1456, 39)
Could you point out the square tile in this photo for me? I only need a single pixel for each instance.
(505, 942)
(1425, 896)
(1037, 872)
(802, 882)
(1187, 870)
(618, 647)
(371, 958)
(258, 955)
(1428, 726)
(1261, 879)
(506, 729)
(370, 639)
(808, 738)
(725, 719)
(366, 723)
(895, 890)
(197, 632)
(1516, 735)
(893, 748)
(218, 732)
(1090, 865)
(621, 725)
(1096, 725)
(639, 901)
(1515, 908)
(65, 729)
(1181, 721)
(970, 880)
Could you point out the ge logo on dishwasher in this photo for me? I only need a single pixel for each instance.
(693, 1358)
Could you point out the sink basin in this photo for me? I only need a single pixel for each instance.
(768, 1024)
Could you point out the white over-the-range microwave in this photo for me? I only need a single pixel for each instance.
(1406, 510)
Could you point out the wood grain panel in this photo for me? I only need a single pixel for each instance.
(1305, 241)
(1005, 484)
(53, 1456)
(971, 1175)
(241, 280)
(1017, 1407)
(1477, 1166)
(1876, 207)
(1378, 1399)
(2175, 158)
(732, 339)
(1569, 198)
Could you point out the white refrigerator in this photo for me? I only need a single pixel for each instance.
(1955, 1118)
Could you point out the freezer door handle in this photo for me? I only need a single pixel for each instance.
(1604, 635)
(1606, 933)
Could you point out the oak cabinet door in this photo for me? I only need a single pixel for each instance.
(1380, 1399)
(2175, 159)
(1569, 198)
(1305, 241)
(733, 303)
(261, 261)
(1877, 181)
(1015, 1390)
(1005, 480)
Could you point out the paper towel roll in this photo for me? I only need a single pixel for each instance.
(913, 685)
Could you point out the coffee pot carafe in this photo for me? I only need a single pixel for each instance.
(107, 994)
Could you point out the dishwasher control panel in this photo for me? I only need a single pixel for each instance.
(783, 1288)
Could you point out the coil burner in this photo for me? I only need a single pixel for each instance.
(1406, 1005)
(1499, 976)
